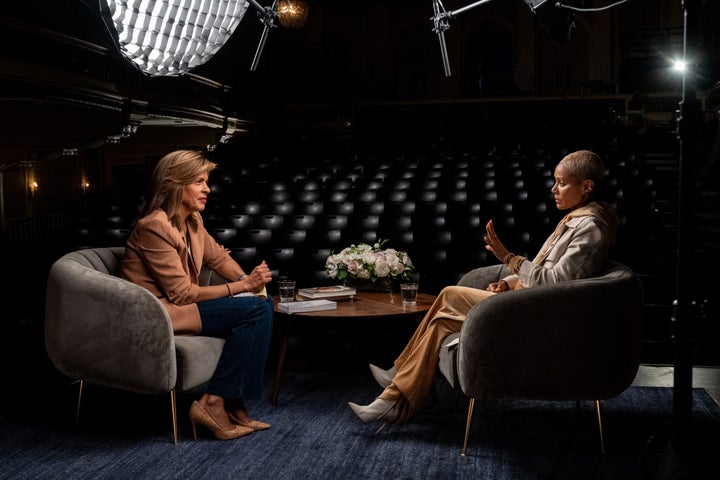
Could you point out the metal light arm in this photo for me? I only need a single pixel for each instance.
(267, 17)
(441, 24)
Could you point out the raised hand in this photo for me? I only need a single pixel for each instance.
(494, 245)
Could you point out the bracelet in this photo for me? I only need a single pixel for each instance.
(242, 275)
(508, 257)
(515, 262)
(230, 294)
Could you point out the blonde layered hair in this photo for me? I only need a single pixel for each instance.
(171, 174)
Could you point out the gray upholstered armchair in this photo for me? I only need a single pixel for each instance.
(576, 340)
(104, 330)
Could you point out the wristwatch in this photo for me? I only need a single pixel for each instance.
(242, 275)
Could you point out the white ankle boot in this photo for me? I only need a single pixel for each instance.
(379, 409)
(383, 377)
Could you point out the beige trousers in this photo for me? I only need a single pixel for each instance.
(417, 364)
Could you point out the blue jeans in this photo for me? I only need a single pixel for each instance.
(246, 325)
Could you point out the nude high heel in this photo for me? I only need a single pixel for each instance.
(256, 425)
(383, 377)
(198, 415)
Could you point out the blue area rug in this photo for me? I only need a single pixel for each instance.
(315, 436)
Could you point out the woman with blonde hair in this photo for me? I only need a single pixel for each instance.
(578, 248)
(165, 252)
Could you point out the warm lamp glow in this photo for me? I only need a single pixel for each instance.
(292, 13)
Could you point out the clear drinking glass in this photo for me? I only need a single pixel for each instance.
(408, 292)
(287, 290)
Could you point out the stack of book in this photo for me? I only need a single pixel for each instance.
(334, 292)
(307, 306)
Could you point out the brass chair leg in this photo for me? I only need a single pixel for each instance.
(77, 409)
(599, 418)
(173, 408)
(467, 426)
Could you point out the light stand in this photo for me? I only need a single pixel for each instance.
(677, 460)
(556, 17)
(267, 17)
(440, 24)
(687, 134)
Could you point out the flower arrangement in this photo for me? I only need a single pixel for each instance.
(365, 262)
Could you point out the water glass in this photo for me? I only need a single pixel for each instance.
(409, 293)
(287, 290)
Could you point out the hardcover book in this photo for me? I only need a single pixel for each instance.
(337, 292)
(307, 306)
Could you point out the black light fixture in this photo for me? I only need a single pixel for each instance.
(290, 13)
(559, 22)
(557, 18)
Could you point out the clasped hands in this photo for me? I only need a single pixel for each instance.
(258, 278)
(494, 245)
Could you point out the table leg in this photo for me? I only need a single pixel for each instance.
(281, 362)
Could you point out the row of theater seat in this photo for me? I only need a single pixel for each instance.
(434, 208)
(295, 208)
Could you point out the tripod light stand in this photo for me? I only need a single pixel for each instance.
(291, 13)
(556, 17)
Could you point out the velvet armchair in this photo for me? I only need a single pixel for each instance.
(576, 340)
(107, 331)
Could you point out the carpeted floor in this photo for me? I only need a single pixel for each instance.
(315, 436)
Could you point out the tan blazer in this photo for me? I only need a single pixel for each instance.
(158, 259)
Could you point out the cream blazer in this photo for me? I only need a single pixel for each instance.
(580, 251)
(157, 258)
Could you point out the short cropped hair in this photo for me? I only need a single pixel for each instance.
(585, 165)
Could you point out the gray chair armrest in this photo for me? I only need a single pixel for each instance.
(484, 276)
(478, 278)
(105, 330)
(210, 277)
(573, 340)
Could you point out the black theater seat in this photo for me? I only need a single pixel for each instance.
(314, 207)
(300, 222)
(224, 236)
(344, 207)
(238, 221)
(269, 221)
(260, 237)
(334, 222)
(281, 208)
(247, 257)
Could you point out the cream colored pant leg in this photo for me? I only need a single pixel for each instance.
(417, 364)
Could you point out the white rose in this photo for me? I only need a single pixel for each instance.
(382, 269)
(353, 267)
(397, 267)
(363, 273)
(332, 270)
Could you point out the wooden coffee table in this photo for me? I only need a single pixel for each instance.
(364, 305)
